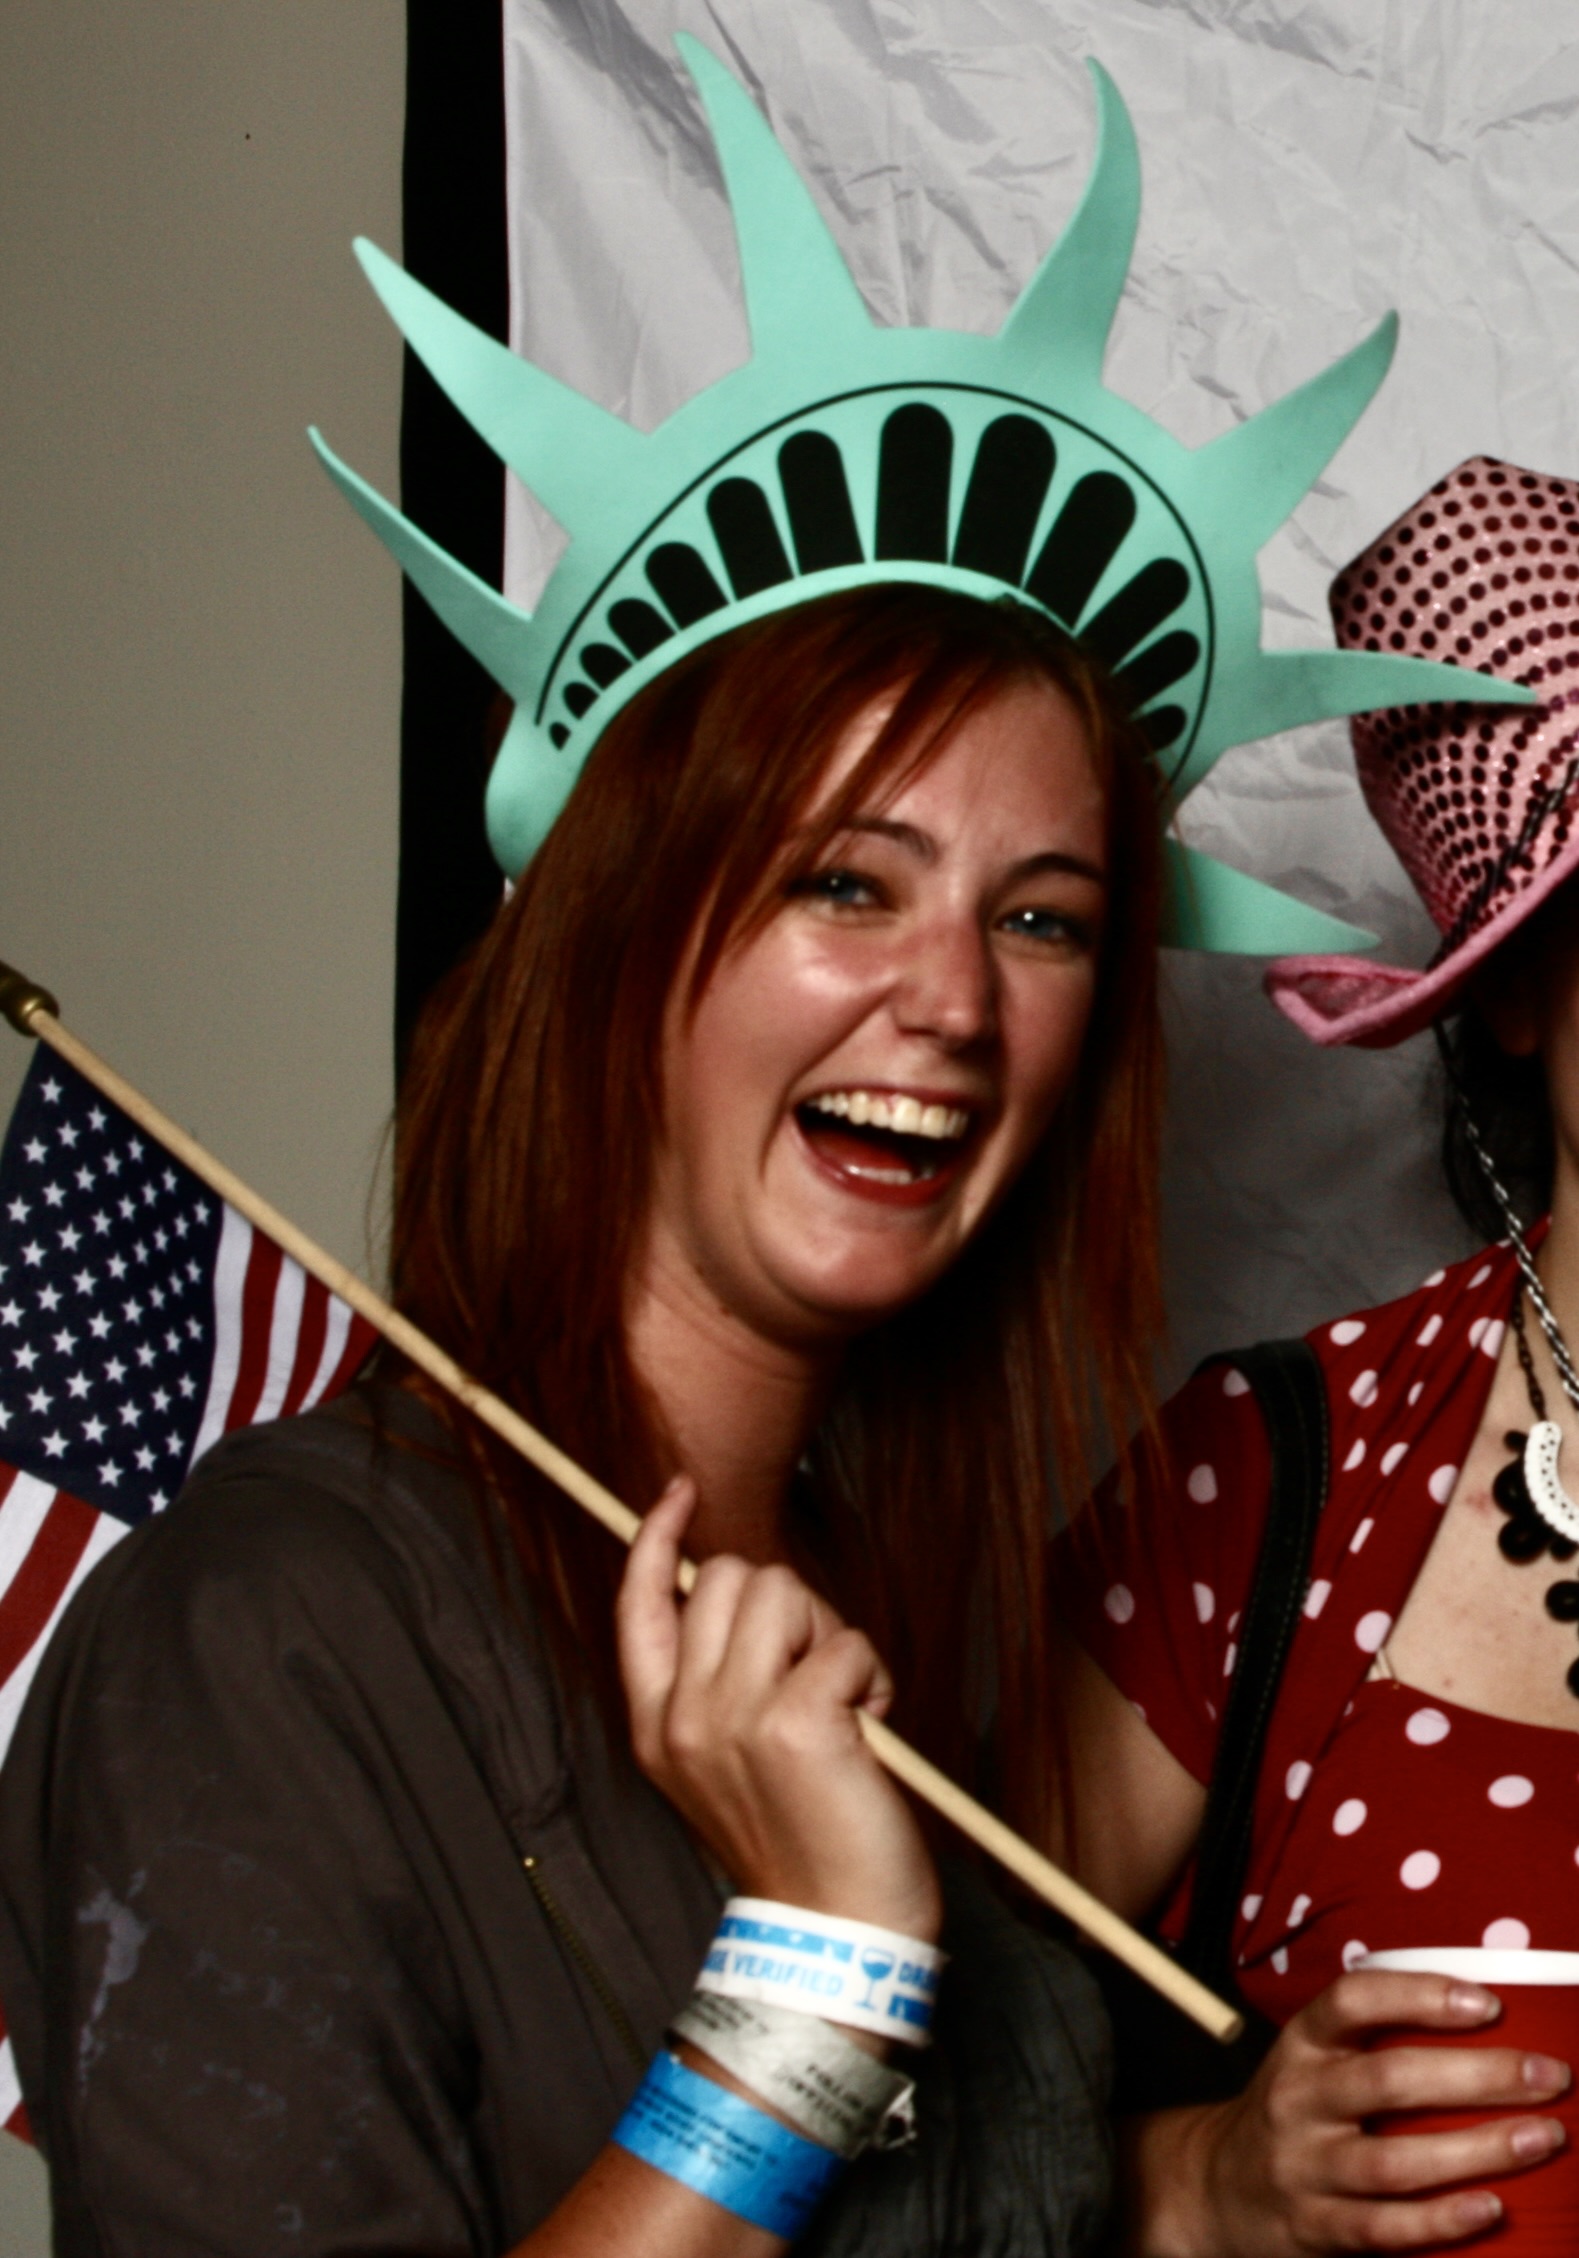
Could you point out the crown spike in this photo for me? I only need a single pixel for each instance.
(1063, 315)
(1285, 688)
(497, 634)
(571, 452)
(1209, 905)
(797, 287)
(1259, 471)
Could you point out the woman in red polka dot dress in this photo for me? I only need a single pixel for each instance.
(1420, 1783)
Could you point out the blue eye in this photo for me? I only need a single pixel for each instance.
(1047, 925)
(847, 888)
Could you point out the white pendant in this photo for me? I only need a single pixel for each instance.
(1541, 1478)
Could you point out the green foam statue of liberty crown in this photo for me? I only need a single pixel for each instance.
(845, 453)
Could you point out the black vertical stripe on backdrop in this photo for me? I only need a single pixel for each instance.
(451, 484)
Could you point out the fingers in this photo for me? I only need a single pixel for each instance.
(1444, 2220)
(1371, 1999)
(726, 1651)
(647, 1614)
(1441, 2077)
(1402, 2164)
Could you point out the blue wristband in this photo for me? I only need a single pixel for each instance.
(709, 2139)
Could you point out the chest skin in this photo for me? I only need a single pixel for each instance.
(1474, 1629)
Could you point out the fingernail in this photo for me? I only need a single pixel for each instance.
(1536, 2139)
(1543, 2075)
(1479, 2209)
(1472, 2001)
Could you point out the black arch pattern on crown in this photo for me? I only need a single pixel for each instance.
(1010, 476)
(748, 539)
(1008, 485)
(817, 499)
(1086, 536)
(914, 459)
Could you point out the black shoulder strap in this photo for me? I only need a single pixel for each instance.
(1291, 1391)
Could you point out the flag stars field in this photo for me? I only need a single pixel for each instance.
(103, 1411)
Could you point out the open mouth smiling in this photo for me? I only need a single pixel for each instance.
(886, 1142)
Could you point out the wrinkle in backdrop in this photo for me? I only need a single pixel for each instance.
(1306, 168)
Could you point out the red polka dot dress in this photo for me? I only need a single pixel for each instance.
(1384, 1817)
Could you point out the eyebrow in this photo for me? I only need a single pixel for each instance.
(924, 847)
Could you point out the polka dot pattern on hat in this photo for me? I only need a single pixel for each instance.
(1483, 573)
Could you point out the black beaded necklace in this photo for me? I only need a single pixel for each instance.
(1541, 1516)
(1524, 1535)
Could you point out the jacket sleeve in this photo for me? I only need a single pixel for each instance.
(240, 2024)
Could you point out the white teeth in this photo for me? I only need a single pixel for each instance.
(907, 1116)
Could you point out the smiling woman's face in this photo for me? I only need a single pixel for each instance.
(865, 1075)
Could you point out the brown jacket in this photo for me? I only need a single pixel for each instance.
(328, 1927)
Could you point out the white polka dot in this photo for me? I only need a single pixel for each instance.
(1435, 1279)
(1205, 1602)
(1252, 1904)
(1416, 1392)
(1491, 1339)
(1233, 1622)
(1428, 1332)
(1349, 1329)
(1393, 1456)
(1202, 1484)
(1296, 1780)
(1354, 1952)
(1363, 1391)
(1426, 1727)
(1297, 1911)
(1349, 1817)
(1477, 1331)
(1356, 1456)
(1211, 1711)
(1370, 1633)
(1234, 1382)
(1229, 1659)
(1357, 1541)
(1480, 1277)
(1576, 1857)
(1441, 1483)
(1506, 1935)
(1120, 1603)
(1420, 1869)
(1317, 1597)
(1280, 1961)
(1511, 1791)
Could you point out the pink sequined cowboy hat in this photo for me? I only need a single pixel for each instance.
(1478, 803)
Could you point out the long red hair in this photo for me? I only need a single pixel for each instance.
(525, 1146)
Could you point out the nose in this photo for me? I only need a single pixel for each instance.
(947, 987)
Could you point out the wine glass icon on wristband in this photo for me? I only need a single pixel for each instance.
(876, 1963)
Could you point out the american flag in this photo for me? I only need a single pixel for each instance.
(140, 1319)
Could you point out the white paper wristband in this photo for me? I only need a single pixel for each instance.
(846, 1971)
(806, 2069)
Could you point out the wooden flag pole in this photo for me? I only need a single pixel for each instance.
(33, 1011)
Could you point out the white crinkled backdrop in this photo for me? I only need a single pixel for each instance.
(1307, 164)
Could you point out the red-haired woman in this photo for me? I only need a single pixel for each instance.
(785, 1149)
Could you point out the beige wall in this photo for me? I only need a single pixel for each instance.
(199, 690)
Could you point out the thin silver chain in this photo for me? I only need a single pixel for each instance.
(1526, 1261)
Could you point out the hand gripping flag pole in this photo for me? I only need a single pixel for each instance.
(32, 1010)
